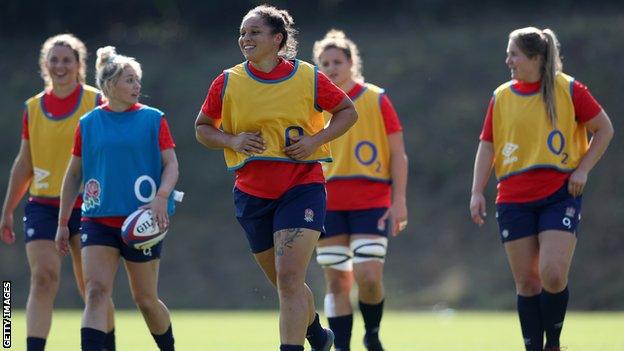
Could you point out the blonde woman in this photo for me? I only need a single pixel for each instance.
(49, 120)
(121, 134)
(535, 138)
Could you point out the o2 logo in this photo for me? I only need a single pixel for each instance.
(567, 222)
(366, 154)
(556, 144)
(139, 188)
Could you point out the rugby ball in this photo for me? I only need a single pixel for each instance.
(141, 231)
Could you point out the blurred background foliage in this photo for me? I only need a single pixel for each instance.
(439, 62)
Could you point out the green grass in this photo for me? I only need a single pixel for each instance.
(402, 331)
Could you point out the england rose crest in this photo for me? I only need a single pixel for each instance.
(308, 215)
(92, 192)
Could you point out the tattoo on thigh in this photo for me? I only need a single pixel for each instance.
(286, 238)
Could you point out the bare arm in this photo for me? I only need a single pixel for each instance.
(602, 133)
(484, 161)
(69, 192)
(207, 133)
(398, 171)
(19, 181)
(344, 117)
(168, 180)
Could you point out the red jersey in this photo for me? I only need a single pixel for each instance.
(271, 179)
(539, 183)
(370, 194)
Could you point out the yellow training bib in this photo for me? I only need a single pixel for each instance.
(363, 151)
(524, 138)
(278, 109)
(51, 140)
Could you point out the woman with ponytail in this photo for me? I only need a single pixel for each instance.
(121, 135)
(535, 138)
(370, 161)
(48, 122)
(266, 115)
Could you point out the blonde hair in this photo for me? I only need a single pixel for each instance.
(535, 42)
(280, 21)
(337, 39)
(67, 40)
(109, 66)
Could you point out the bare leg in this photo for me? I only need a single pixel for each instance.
(368, 276)
(266, 261)
(143, 278)
(293, 250)
(555, 258)
(338, 283)
(99, 266)
(45, 264)
(74, 244)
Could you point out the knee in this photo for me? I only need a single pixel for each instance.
(97, 293)
(338, 284)
(145, 302)
(44, 281)
(289, 282)
(554, 278)
(368, 279)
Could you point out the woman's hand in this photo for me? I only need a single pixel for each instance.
(477, 208)
(159, 211)
(576, 183)
(248, 143)
(6, 228)
(398, 218)
(62, 239)
(301, 147)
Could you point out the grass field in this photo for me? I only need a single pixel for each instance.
(402, 331)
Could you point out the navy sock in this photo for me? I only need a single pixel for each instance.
(284, 347)
(531, 322)
(316, 334)
(553, 307)
(35, 344)
(342, 326)
(165, 341)
(109, 342)
(372, 318)
(92, 339)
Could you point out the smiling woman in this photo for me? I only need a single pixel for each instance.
(535, 137)
(266, 115)
(121, 134)
(48, 121)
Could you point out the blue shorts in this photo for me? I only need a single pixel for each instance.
(559, 211)
(355, 222)
(300, 207)
(41, 221)
(94, 233)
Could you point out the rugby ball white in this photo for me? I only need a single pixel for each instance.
(141, 231)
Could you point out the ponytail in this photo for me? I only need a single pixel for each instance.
(535, 42)
(550, 67)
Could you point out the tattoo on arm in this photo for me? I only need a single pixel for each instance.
(286, 238)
